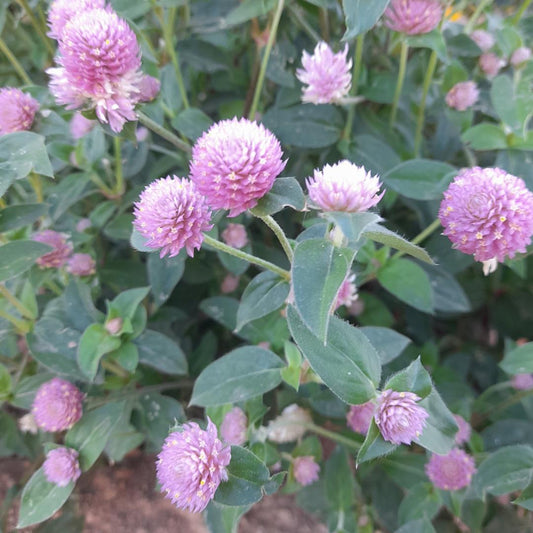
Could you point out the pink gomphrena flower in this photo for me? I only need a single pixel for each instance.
(490, 64)
(305, 469)
(522, 381)
(520, 56)
(61, 466)
(413, 17)
(57, 405)
(80, 126)
(399, 418)
(61, 252)
(191, 466)
(483, 39)
(61, 11)
(235, 163)
(289, 425)
(462, 95)
(487, 212)
(81, 265)
(359, 417)
(452, 471)
(233, 427)
(347, 292)
(83, 224)
(99, 67)
(344, 187)
(235, 235)
(17, 110)
(463, 435)
(229, 284)
(172, 215)
(326, 75)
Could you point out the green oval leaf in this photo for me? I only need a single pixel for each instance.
(18, 216)
(285, 192)
(519, 360)
(18, 256)
(361, 15)
(161, 352)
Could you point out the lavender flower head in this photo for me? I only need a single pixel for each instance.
(490, 64)
(61, 11)
(487, 212)
(327, 76)
(99, 67)
(462, 95)
(452, 471)
(483, 39)
(463, 435)
(61, 252)
(61, 466)
(191, 466)
(80, 126)
(344, 187)
(522, 381)
(235, 236)
(347, 292)
(305, 470)
(235, 163)
(172, 215)
(57, 405)
(81, 265)
(413, 17)
(17, 110)
(520, 56)
(233, 427)
(399, 418)
(359, 417)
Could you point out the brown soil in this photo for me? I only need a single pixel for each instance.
(121, 498)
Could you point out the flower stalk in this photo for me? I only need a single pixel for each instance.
(404, 51)
(163, 132)
(421, 110)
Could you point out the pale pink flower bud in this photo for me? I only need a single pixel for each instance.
(81, 265)
(17, 110)
(522, 381)
(80, 126)
(483, 39)
(305, 470)
(520, 56)
(229, 284)
(359, 417)
(463, 435)
(114, 325)
(490, 64)
(233, 427)
(289, 425)
(462, 95)
(235, 235)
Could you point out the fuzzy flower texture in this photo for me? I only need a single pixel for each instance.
(452, 471)
(344, 187)
(62, 248)
(359, 417)
(17, 110)
(233, 427)
(61, 466)
(413, 17)
(487, 212)
(191, 466)
(462, 95)
(326, 75)
(99, 65)
(57, 405)
(172, 215)
(235, 163)
(305, 470)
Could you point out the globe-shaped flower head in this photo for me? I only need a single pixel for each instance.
(399, 418)
(462, 95)
(172, 215)
(17, 110)
(235, 163)
(452, 471)
(487, 212)
(61, 466)
(326, 75)
(81, 265)
(61, 11)
(359, 417)
(233, 427)
(57, 405)
(413, 17)
(61, 252)
(305, 470)
(344, 187)
(191, 466)
(100, 67)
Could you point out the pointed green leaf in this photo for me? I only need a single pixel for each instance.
(285, 192)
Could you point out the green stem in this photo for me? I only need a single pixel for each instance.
(280, 234)
(16, 303)
(399, 83)
(21, 325)
(422, 235)
(53, 286)
(35, 182)
(421, 110)
(38, 28)
(20, 370)
(333, 436)
(356, 73)
(119, 185)
(285, 274)
(298, 16)
(15, 63)
(114, 369)
(106, 191)
(163, 132)
(266, 56)
(473, 19)
(521, 11)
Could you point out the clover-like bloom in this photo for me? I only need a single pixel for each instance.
(490, 64)
(289, 425)
(61, 11)
(344, 187)
(17, 110)
(462, 95)
(99, 67)
(235, 235)
(57, 405)
(61, 252)
(61, 466)
(483, 39)
(172, 215)
(191, 466)
(522, 381)
(305, 469)
(452, 471)
(347, 292)
(235, 163)
(413, 17)
(399, 418)
(487, 212)
(326, 75)
(233, 427)
(359, 417)
(463, 435)
(520, 56)
(81, 265)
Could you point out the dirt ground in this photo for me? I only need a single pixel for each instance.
(122, 499)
